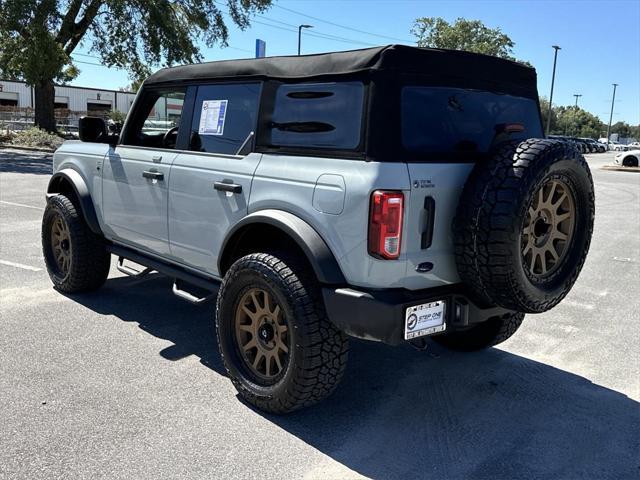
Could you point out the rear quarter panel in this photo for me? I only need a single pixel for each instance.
(289, 183)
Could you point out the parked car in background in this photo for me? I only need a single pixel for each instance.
(618, 147)
(585, 146)
(595, 147)
(630, 158)
(581, 146)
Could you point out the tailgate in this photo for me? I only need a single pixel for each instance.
(432, 203)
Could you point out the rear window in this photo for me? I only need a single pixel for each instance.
(438, 119)
(318, 115)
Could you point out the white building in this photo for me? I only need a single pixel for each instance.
(76, 99)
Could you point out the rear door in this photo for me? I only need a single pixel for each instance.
(445, 131)
(210, 182)
(136, 173)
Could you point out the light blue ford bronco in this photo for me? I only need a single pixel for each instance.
(388, 194)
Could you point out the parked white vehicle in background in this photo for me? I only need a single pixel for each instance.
(628, 159)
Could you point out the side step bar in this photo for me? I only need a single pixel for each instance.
(190, 297)
(207, 284)
(132, 272)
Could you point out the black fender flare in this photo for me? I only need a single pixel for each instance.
(304, 235)
(68, 176)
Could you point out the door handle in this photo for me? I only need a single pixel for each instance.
(153, 175)
(227, 187)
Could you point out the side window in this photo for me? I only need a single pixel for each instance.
(318, 115)
(223, 117)
(157, 119)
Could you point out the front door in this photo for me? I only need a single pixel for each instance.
(136, 173)
(211, 183)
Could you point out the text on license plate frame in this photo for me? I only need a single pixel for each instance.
(425, 319)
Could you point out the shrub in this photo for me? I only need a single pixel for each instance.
(35, 137)
(5, 136)
(117, 116)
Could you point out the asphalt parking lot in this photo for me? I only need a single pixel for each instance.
(127, 383)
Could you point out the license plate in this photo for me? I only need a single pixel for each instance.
(424, 319)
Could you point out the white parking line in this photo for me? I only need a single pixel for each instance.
(20, 265)
(21, 205)
(572, 303)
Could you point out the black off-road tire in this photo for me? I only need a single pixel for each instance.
(484, 335)
(318, 350)
(90, 261)
(490, 220)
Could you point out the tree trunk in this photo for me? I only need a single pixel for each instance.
(44, 93)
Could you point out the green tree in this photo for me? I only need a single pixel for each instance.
(623, 129)
(544, 111)
(39, 37)
(469, 35)
(575, 121)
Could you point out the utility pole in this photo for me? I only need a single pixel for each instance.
(577, 95)
(553, 79)
(615, 85)
(300, 27)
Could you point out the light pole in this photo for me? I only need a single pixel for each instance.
(577, 95)
(553, 79)
(300, 27)
(615, 85)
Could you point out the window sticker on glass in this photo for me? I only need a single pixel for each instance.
(212, 117)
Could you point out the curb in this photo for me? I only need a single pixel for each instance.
(620, 168)
(28, 149)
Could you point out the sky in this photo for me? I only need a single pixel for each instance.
(600, 41)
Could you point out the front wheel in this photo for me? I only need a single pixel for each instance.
(278, 346)
(76, 258)
(484, 335)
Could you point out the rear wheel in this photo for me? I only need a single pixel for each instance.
(278, 346)
(76, 258)
(484, 335)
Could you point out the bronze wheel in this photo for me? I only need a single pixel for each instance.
(76, 258)
(278, 346)
(262, 334)
(548, 229)
(61, 245)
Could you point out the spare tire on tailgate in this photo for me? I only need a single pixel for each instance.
(523, 225)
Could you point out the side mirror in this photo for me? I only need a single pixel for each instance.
(92, 129)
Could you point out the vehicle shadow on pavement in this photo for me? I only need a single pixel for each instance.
(401, 413)
(23, 162)
(149, 302)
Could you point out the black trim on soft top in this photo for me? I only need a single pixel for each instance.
(388, 60)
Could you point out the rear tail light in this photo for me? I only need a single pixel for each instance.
(385, 224)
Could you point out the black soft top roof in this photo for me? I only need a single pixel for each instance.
(440, 66)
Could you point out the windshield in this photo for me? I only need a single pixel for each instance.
(441, 119)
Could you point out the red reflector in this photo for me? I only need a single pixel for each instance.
(385, 224)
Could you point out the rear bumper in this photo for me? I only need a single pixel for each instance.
(379, 314)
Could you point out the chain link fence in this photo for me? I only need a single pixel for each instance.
(16, 119)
